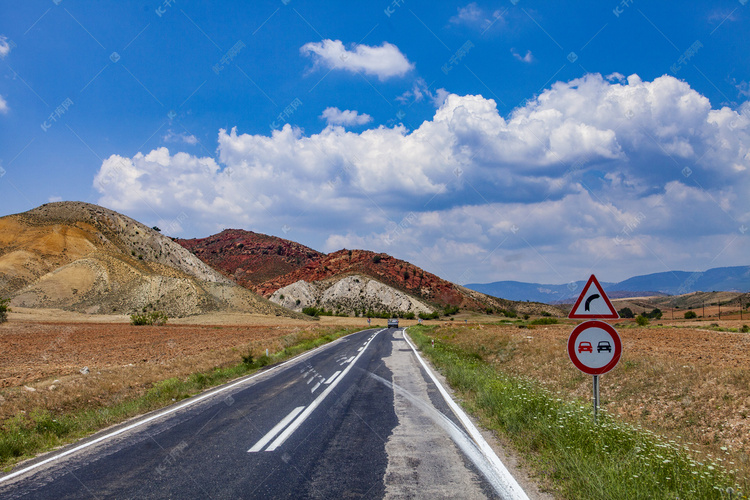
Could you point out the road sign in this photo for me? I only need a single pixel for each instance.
(594, 347)
(593, 303)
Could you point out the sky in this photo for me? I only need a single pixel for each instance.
(482, 141)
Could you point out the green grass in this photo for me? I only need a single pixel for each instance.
(26, 435)
(582, 459)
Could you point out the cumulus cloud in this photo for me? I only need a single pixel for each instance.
(592, 172)
(171, 136)
(334, 116)
(384, 61)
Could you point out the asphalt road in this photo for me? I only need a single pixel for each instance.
(360, 417)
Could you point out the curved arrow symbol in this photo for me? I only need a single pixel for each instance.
(588, 301)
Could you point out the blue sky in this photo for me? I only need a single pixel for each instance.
(481, 141)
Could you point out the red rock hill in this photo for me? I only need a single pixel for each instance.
(251, 258)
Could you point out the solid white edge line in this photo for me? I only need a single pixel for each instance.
(333, 377)
(513, 486)
(276, 429)
(187, 403)
(308, 411)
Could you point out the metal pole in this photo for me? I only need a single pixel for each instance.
(596, 397)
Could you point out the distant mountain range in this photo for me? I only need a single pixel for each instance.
(728, 279)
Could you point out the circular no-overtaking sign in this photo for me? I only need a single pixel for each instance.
(594, 347)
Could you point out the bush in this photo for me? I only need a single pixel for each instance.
(157, 318)
(544, 321)
(376, 259)
(690, 315)
(641, 320)
(314, 311)
(626, 312)
(450, 310)
(745, 329)
(434, 315)
(654, 314)
(4, 310)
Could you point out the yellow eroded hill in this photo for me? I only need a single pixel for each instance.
(86, 258)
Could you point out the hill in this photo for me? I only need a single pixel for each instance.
(297, 276)
(399, 275)
(82, 257)
(250, 258)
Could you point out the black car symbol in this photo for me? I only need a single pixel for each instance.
(604, 345)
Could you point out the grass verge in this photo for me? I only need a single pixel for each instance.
(583, 460)
(42, 429)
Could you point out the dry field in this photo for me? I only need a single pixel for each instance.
(41, 361)
(684, 382)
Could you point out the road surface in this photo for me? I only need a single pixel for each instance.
(361, 417)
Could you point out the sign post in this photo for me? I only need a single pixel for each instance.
(594, 346)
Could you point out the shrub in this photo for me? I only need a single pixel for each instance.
(434, 315)
(626, 312)
(690, 315)
(745, 329)
(4, 310)
(315, 311)
(376, 259)
(544, 321)
(450, 310)
(654, 314)
(641, 320)
(157, 318)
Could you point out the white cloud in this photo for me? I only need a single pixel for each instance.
(53, 199)
(470, 13)
(5, 46)
(420, 90)
(3, 105)
(528, 58)
(385, 61)
(334, 116)
(476, 17)
(171, 136)
(589, 173)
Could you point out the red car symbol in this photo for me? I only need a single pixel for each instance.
(585, 346)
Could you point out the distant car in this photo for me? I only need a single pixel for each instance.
(392, 323)
(585, 346)
(604, 345)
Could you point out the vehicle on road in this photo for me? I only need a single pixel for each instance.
(604, 345)
(393, 323)
(585, 346)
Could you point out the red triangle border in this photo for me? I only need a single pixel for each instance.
(613, 312)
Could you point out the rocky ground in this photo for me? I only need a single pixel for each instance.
(349, 295)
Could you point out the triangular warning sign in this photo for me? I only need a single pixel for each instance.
(593, 303)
